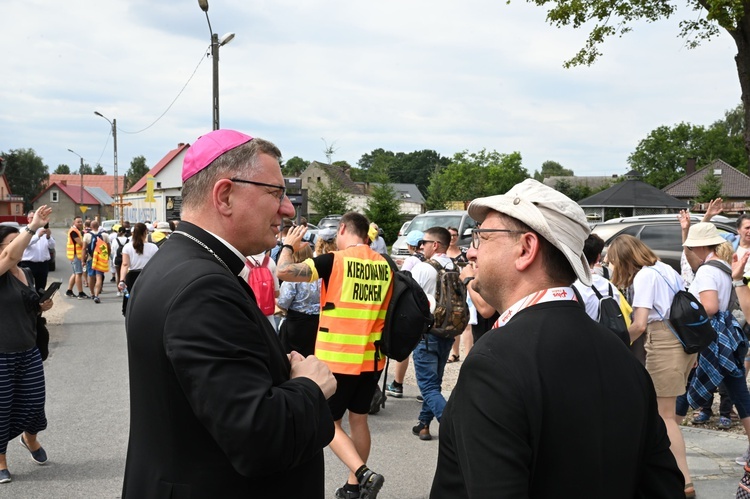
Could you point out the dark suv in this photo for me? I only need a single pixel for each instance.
(661, 233)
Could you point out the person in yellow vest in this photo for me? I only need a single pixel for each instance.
(357, 287)
(96, 255)
(74, 246)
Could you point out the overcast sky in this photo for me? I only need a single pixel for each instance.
(399, 75)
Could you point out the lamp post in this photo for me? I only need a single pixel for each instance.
(114, 135)
(80, 170)
(215, 44)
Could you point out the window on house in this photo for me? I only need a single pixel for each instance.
(54, 196)
(318, 179)
(158, 185)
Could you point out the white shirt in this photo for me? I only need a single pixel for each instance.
(590, 301)
(138, 261)
(38, 248)
(709, 278)
(410, 262)
(652, 291)
(426, 275)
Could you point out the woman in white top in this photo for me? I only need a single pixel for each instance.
(712, 285)
(135, 256)
(654, 285)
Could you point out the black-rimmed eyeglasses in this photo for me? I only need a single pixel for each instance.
(475, 234)
(281, 188)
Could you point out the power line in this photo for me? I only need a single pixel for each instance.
(170, 105)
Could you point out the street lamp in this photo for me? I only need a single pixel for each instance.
(80, 170)
(114, 135)
(215, 44)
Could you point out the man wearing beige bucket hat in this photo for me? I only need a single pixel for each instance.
(512, 425)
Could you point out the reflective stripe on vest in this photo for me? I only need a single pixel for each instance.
(74, 250)
(353, 308)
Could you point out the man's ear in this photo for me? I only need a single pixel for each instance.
(528, 250)
(221, 196)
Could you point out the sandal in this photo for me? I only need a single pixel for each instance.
(689, 491)
(454, 358)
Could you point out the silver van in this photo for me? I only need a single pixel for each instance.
(435, 218)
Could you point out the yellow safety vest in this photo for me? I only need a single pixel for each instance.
(352, 312)
(100, 258)
(74, 250)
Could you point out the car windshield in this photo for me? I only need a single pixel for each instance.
(424, 223)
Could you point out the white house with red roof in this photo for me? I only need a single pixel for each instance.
(66, 200)
(167, 189)
(11, 206)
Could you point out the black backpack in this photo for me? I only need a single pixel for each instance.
(118, 254)
(689, 320)
(407, 318)
(610, 314)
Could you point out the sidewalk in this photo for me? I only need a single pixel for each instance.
(710, 455)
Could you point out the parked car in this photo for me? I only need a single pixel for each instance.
(329, 221)
(661, 233)
(435, 218)
(403, 229)
(107, 225)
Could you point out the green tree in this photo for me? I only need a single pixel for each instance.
(137, 170)
(294, 166)
(98, 170)
(407, 168)
(85, 169)
(709, 188)
(326, 198)
(383, 208)
(552, 169)
(62, 169)
(662, 155)
(606, 18)
(576, 192)
(473, 175)
(26, 174)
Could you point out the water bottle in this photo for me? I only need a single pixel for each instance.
(126, 292)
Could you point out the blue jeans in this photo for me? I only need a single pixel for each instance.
(430, 358)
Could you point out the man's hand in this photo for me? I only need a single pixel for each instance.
(294, 237)
(684, 218)
(738, 266)
(46, 305)
(41, 217)
(313, 368)
(467, 271)
(714, 208)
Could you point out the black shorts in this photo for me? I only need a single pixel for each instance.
(353, 392)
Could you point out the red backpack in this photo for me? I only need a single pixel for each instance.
(262, 283)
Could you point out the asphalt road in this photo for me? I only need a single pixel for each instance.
(87, 410)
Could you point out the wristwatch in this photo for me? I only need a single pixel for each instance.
(30, 231)
(741, 282)
(468, 280)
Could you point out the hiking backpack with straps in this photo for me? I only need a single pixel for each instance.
(118, 253)
(610, 314)
(451, 310)
(688, 319)
(407, 318)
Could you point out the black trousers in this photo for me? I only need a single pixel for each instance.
(40, 271)
(130, 279)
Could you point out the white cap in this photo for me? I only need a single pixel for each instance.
(553, 215)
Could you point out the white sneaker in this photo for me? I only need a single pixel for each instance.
(742, 460)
